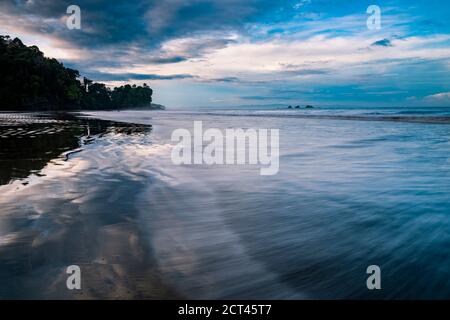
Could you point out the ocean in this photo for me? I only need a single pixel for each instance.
(355, 187)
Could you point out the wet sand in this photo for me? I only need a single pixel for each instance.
(55, 213)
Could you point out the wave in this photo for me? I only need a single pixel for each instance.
(371, 117)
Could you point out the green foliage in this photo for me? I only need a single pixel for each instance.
(131, 96)
(30, 81)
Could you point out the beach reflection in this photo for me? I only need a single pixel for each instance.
(29, 141)
(349, 194)
(74, 212)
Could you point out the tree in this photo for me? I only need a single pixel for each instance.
(28, 80)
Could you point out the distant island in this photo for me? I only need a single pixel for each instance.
(31, 81)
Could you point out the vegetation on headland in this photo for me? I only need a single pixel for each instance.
(31, 81)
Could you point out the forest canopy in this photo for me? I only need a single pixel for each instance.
(31, 81)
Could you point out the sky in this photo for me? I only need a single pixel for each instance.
(227, 53)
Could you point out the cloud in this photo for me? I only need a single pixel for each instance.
(147, 23)
(382, 43)
(102, 76)
(252, 48)
(166, 60)
(301, 3)
(443, 96)
(306, 72)
(227, 79)
(127, 33)
(441, 99)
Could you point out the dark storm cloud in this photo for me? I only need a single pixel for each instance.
(103, 22)
(148, 23)
(123, 33)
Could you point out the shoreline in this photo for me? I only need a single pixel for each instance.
(425, 119)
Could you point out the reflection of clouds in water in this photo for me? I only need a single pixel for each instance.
(80, 212)
(346, 190)
(197, 250)
(8, 238)
(144, 152)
